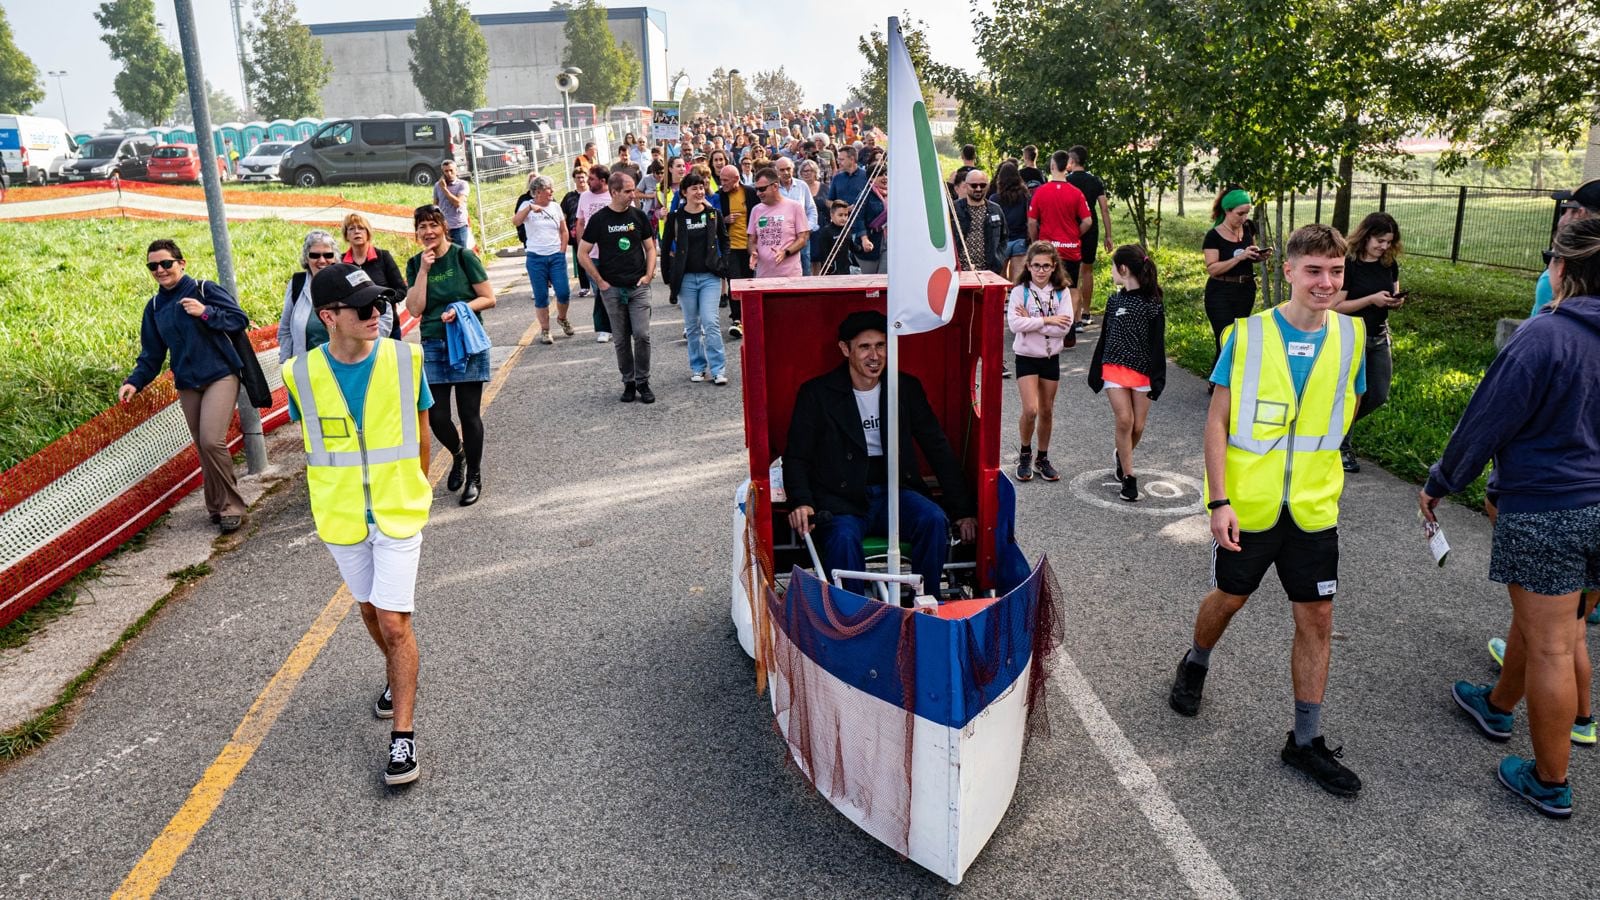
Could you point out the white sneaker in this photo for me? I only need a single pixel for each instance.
(602, 337)
(584, 292)
(720, 379)
(697, 377)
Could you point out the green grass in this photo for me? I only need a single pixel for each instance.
(1443, 341)
(20, 630)
(407, 195)
(72, 294)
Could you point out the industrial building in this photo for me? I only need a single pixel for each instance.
(372, 74)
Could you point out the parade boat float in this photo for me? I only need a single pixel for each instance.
(911, 719)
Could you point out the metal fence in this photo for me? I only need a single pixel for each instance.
(1506, 227)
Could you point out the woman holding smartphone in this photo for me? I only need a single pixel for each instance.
(1231, 256)
(1371, 290)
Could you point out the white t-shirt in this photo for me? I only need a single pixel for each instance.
(543, 226)
(871, 424)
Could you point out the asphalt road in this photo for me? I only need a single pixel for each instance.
(588, 725)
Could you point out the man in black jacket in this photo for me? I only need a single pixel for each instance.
(835, 460)
(983, 225)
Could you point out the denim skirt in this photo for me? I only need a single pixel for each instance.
(436, 365)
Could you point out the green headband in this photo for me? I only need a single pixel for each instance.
(1232, 200)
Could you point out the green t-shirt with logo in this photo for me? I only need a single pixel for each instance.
(450, 279)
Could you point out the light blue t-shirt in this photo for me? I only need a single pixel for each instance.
(1300, 364)
(1543, 293)
(353, 379)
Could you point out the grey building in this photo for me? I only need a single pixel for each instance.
(371, 60)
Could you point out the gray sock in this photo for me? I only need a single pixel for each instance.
(1307, 722)
(1200, 656)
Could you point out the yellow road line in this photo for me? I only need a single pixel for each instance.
(158, 861)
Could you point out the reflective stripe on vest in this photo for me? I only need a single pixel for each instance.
(1248, 396)
(383, 476)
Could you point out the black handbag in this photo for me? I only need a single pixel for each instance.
(251, 377)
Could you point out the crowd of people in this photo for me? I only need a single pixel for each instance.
(732, 199)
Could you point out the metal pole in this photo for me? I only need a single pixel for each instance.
(566, 127)
(255, 446)
(1461, 217)
(892, 448)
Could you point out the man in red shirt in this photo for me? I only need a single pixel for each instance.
(1059, 214)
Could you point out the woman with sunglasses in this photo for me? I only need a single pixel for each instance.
(1231, 255)
(188, 322)
(299, 329)
(441, 275)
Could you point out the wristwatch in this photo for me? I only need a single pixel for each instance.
(1217, 504)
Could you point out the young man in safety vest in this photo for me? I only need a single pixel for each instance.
(1287, 386)
(361, 401)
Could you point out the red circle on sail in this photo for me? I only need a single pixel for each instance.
(939, 289)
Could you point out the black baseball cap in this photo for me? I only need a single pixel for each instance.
(862, 320)
(1586, 196)
(343, 284)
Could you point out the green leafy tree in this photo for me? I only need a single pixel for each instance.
(152, 73)
(611, 71)
(19, 77)
(122, 120)
(723, 89)
(221, 104)
(449, 57)
(776, 88)
(872, 85)
(285, 65)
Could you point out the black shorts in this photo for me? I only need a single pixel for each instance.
(1090, 248)
(1070, 266)
(1047, 368)
(1308, 562)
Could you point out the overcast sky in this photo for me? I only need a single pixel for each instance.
(818, 50)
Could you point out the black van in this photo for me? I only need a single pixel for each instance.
(127, 155)
(408, 149)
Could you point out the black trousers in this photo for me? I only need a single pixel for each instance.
(1225, 302)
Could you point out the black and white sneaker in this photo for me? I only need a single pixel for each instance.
(1130, 489)
(1323, 766)
(403, 767)
(1116, 457)
(384, 708)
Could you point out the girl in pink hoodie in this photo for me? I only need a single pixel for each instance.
(1039, 312)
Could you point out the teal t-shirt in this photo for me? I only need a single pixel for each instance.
(450, 279)
(353, 379)
(1543, 293)
(1302, 347)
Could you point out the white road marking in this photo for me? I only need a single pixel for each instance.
(1194, 861)
(1163, 486)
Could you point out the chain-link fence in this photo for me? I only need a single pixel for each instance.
(1495, 226)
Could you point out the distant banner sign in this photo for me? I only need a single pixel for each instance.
(664, 124)
(772, 118)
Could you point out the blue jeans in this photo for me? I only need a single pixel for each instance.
(461, 237)
(698, 296)
(547, 271)
(922, 522)
(805, 259)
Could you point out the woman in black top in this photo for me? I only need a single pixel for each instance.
(1231, 255)
(377, 262)
(1012, 195)
(569, 209)
(1130, 360)
(1371, 289)
(698, 236)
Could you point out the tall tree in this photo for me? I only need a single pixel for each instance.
(723, 89)
(221, 103)
(152, 72)
(19, 77)
(610, 71)
(872, 85)
(449, 57)
(776, 88)
(285, 66)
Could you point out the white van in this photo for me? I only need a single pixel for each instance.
(34, 149)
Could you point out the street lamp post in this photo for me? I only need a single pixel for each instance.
(567, 82)
(62, 92)
(732, 74)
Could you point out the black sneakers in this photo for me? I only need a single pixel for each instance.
(458, 472)
(1116, 457)
(474, 488)
(384, 708)
(1323, 766)
(1130, 489)
(1347, 459)
(629, 392)
(645, 394)
(1025, 465)
(1041, 464)
(1187, 687)
(403, 767)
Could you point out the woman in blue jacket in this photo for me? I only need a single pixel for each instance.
(189, 321)
(867, 236)
(1537, 415)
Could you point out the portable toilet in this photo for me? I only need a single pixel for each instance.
(306, 127)
(254, 133)
(465, 117)
(280, 130)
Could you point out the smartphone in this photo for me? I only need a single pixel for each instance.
(1402, 295)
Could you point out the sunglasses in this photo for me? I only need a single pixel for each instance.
(978, 187)
(764, 187)
(427, 209)
(162, 264)
(362, 312)
(322, 256)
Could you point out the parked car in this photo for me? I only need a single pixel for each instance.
(409, 149)
(128, 155)
(261, 163)
(532, 135)
(491, 154)
(180, 164)
(34, 150)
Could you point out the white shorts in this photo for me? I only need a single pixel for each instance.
(1112, 384)
(381, 570)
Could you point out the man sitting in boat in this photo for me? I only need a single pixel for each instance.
(835, 473)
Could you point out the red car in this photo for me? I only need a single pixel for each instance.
(173, 163)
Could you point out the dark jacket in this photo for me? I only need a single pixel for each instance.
(1537, 415)
(825, 465)
(1155, 351)
(569, 209)
(872, 209)
(200, 349)
(995, 235)
(716, 248)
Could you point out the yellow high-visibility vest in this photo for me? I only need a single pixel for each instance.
(376, 470)
(1283, 449)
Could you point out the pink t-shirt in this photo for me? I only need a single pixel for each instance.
(588, 202)
(771, 227)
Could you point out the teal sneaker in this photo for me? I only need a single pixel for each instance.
(1497, 650)
(1583, 733)
(1474, 699)
(1594, 617)
(1517, 774)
